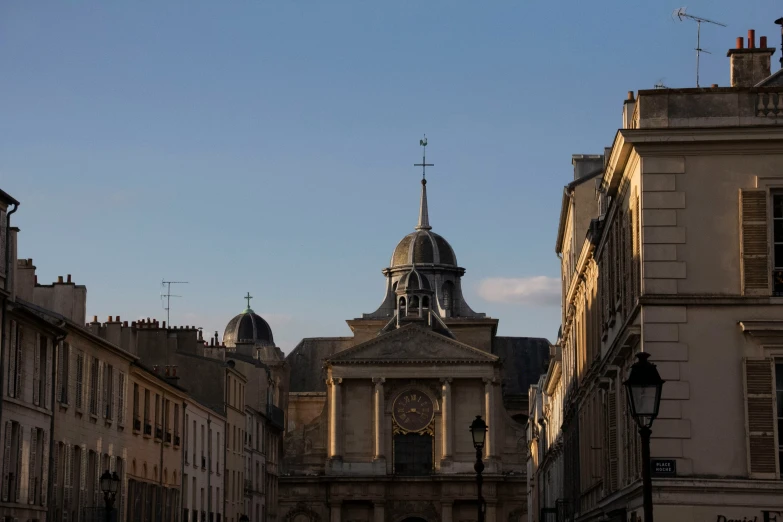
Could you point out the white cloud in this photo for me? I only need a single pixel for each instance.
(532, 291)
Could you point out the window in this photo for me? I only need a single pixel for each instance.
(777, 238)
(108, 391)
(16, 361)
(136, 425)
(217, 465)
(94, 386)
(176, 424)
(12, 461)
(779, 393)
(79, 392)
(63, 372)
(147, 425)
(39, 372)
(35, 466)
(158, 427)
(413, 454)
(121, 399)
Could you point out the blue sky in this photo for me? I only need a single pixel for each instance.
(267, 146)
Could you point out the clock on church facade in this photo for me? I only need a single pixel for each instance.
(413, 411)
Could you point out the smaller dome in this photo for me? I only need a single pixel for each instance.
(423, 247)
(248, 327)
(413, 281)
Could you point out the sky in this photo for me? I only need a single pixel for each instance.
(268, 146)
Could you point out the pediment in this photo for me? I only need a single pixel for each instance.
(412, 344)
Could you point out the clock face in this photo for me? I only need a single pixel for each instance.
(413, 410)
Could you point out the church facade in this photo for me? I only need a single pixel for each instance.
(378, 423)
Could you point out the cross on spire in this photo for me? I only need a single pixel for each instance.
(423, 164)
(248, 297)
(424, 216)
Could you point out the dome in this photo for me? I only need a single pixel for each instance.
(423, 247)
(248, 327)
(412, 281)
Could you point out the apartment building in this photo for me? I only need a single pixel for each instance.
(670, 245)
(204, 464)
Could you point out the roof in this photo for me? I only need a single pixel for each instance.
(248, 327)
(565, 203)
(423, 247)
(772, 80)
(306, 362)
(6, 197)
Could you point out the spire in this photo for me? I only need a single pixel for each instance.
(424, 216)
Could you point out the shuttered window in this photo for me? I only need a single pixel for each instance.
(64, 362)
(753, 245)
(777, 240)
(611, 428)
(760, 418)
(779, 407)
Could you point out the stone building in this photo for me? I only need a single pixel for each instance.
(203, 468)
(672, 246)
(377, 425)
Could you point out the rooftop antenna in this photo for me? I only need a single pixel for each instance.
(660, 84)
(681, 14)
(168, 295)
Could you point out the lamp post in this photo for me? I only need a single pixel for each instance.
(110, 483)
(478, 428)
(644, 387)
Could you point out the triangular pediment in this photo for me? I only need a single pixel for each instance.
(412, 344)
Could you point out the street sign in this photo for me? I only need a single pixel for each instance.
(663, 467)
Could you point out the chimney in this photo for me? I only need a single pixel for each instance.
(585, 164)
(751, 64)
(629, 105)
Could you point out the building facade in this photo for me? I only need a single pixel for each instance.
(204, 464)
(377, 425)
(670, 246)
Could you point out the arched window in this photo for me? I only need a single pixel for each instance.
(413, 454)
(414, 303)
(402, 306)
(425, 302)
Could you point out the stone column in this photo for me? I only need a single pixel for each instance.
(491, 513)
(379, 411)
(378, 511)
(489, 404)
(445, 512)
(335, 514)
(447, 427)
(335, 416)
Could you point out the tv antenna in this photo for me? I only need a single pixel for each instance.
(681, 15)
(660, 84)
(168, 295)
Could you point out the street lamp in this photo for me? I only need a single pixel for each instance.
(110, 483)
(644, 387)
(478, 428)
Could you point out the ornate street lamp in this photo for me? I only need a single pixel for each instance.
(478, 428)
(110, 483)
(644, 387)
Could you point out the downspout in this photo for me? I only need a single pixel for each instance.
(182, 463)
(50, 484)
(5, 302)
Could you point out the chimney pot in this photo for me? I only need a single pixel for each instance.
(740, 42)
(125, 324)
(763, 42)
(117, 318)
(164, 324)
(751, 38)
(109, 319)
(94, 318)
(149, 320)
(133, 324)
(59, 279)
(630, 95)
(69, 278)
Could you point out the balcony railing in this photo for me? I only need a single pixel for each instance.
(276, 416)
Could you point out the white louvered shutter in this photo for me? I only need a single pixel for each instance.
(19, 362)
(121, 386)
(67, 463)
(48, 355)
(98, 388)
(759, 381)
(32, 476)
(12, 362)
(18, 479)
(60, 370)
(83, 478)
(37, 371)
(115, 383)
(7, 460)
(45, 467)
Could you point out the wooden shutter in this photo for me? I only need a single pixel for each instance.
(37, 371)
(637, 248)
(18, 477)
(611, 423)
(67, 464)
(12, 362)
(19, 363)
(753, 246)
(45, 467)
(32, 476)
(7, 460)
(83, 478)
(55, 472)
(79, 392)
(760, 417)
(96, 487)
(121, 385)
(48, 354)
(60, 370)
(98, 402)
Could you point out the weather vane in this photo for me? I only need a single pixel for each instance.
(423, 164)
